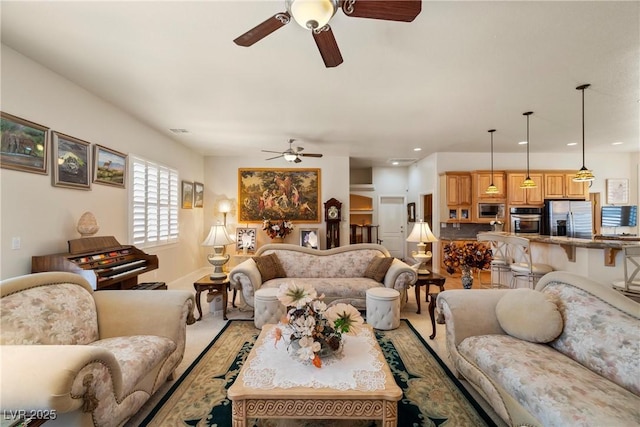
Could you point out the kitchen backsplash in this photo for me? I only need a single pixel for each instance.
(461, 231)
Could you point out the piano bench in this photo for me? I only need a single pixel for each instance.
(150, 286)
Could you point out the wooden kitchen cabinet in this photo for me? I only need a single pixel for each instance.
(560, 185)
(481, 180)
(517, 196)
(458, 189)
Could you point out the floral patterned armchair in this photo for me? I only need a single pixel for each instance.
(82, 357)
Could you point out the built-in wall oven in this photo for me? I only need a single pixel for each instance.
(526, 220)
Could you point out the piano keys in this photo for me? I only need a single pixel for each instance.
(104, 262)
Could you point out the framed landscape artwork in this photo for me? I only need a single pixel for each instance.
(71, 162)
(24, 144)
(289, 194)
(110, 166)
(187, 195)
(198, 195)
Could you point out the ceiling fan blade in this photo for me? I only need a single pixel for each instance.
(269, 151)
(401, 10)
(276, 157)
(309, 155)
(262, 30)
(327, 46)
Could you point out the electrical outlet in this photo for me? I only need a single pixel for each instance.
(443, 225)
(15, 243)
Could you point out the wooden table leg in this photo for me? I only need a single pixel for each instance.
(225, 301)
(432, 310)
(417, 286)
(198, 306)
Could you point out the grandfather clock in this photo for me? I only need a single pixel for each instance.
(332, 214)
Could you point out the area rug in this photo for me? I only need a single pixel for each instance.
(432, 396)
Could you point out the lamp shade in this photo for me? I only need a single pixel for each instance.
(224, 206)
(218, 236)
(421, 233)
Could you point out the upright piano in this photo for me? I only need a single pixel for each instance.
(104, 262)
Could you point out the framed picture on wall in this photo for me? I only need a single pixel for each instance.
(246, 239)
(309, 238)
(187, 195)
(198, 195)
(71, 162)
(411, 212)
(110, 166)
(289, 194)
(617, 191)
(24, 144)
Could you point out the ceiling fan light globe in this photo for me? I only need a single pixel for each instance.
(290, 157)
(311, 14)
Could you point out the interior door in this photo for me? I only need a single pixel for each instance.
(391, 217)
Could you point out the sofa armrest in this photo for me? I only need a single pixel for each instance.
(400, 275)
(143, 312)
(247, 278)
(470, 312)
(42, 376)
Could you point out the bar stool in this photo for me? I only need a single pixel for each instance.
(501, 262)
(522, 266)
(631, 283)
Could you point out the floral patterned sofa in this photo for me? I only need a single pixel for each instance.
(82, 357)
(587, 373)
(338, 273)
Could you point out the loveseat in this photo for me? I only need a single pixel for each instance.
(76, 357)
(564, 354)
(338, 273)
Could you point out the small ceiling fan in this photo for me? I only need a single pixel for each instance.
(292, 155)
(316, 14)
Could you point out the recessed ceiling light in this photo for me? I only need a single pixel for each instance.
(571, 144)
(617, 143)
(395, 163)
(417, 149)
(522, 143)
(179, 130)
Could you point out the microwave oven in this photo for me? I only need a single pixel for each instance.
(491, 210)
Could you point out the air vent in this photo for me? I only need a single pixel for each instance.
(178, 130)
(401, 162)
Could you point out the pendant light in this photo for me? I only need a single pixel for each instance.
(584, 174)
(491, 189)
(528, 182)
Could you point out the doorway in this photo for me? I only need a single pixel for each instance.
(391, 217)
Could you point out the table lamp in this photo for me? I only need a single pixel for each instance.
(218, 238)
(421, 233)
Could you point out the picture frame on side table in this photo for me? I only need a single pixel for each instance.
(246, 239)
(198, 195)
(24, 145)
(288, 194)
(617, 191)
(110, 166)
(309, 238)
(187, 195)
(411, 212)
(71, 162)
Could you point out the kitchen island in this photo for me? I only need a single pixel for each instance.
(610, 246)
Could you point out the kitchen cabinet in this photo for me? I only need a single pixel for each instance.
(458, 188)
(481, 180)
(517, 196)
(560, 185)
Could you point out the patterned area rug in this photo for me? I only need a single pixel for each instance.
(432, 396)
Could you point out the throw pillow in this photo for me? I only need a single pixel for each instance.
(269, 267)
(378, 267)
(529, 315)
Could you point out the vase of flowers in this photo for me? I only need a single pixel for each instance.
(277, 229)
(469, 256)
(312, 330)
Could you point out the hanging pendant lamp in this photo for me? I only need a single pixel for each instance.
(528, 182)
(491, 189)
(584, 174)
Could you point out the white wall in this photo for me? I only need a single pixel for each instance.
(45, 217)
(221, 182)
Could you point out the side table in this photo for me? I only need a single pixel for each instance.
(205, 283)
(428, 280)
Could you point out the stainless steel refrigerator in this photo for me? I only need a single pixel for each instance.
(571, 218)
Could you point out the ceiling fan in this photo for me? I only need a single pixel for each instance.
(315, 15)
(292, 155)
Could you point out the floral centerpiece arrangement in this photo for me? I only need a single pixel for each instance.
(311, 329)
(467, 256)
(277, 229)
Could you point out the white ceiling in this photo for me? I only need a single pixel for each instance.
(438, 83)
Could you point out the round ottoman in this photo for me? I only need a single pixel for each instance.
(383, 308)
(267, 307)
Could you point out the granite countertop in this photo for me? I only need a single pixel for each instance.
(583, 243)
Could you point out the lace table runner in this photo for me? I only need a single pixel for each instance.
(359, 368)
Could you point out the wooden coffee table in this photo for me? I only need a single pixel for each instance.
(309, 402)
